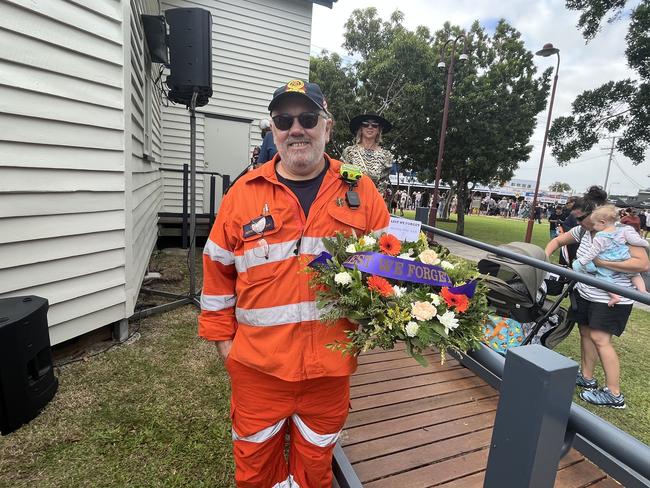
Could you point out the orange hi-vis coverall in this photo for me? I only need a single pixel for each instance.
(256, 292)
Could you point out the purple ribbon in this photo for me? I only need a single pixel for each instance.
(320, 260)
(398, 269)
(468, 289)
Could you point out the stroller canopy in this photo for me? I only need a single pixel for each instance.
(505, 270)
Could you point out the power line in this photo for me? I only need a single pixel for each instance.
(629, 178)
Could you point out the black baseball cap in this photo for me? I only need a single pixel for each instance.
(311, 91)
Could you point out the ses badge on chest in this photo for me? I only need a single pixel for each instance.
(258, 225)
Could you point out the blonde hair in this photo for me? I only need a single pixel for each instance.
(608, 213)
(378, 139)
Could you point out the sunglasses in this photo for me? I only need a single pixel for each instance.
(308, 120)
(367, 125)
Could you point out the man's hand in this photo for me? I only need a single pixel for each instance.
(223, 347)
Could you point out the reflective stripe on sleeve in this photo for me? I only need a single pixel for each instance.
(214, 303)
(320, 440)
(218, 253)
(288, 483)
(264, 255)
(282, 314)
(261, 436)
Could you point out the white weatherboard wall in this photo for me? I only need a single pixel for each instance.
(256, 46)
(78, 204)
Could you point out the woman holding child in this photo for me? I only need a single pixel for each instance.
(600, 315)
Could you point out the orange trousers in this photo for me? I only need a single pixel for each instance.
(265, 408)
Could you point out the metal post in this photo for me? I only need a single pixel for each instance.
(531, 217)
(530, 426)
(212, 199)
(184, 238)
(192, 108)
(225, 183)
(609, 162)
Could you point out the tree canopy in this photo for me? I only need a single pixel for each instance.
(496, 96)
(559, 186)
(617, 107)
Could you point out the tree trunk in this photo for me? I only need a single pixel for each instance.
(460, 207)
(445, 209)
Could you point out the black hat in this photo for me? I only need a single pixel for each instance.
(355, 123)
(311, 91)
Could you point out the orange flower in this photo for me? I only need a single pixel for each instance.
(380, 285)
(458, 301)
(389, 244)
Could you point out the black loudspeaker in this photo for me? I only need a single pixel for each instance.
(27, 381)
(190, 55)
(155, 31)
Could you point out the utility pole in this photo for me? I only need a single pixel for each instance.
(609, 163)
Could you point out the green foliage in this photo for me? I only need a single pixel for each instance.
(495, 99)
(616, 107)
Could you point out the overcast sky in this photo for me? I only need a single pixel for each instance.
(583, 66)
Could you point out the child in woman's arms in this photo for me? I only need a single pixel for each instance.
(610, 244)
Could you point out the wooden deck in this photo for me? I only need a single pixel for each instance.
(415, 427)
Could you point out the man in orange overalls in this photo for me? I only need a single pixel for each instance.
(257, 305)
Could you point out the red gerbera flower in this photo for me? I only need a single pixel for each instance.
(380, 285)
(389, 244)
(458, 301)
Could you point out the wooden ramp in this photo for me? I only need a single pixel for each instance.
(413, 427)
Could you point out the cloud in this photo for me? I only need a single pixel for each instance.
(583, 66)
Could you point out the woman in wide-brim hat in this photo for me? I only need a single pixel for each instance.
(366, 152)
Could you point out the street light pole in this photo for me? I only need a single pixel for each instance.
(547, 50)
(433, 212)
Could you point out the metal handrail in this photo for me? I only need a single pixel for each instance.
(618, 444)
(553, 268)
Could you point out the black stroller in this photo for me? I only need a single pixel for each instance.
(521, 292)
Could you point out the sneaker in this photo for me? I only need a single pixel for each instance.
(583, 382)
(603, 398)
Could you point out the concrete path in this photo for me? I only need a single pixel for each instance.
(473, 254)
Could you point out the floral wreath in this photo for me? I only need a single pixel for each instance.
(399, 291)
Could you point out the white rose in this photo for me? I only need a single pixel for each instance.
(423, 310)
(412, 329)
(369, 240)
(399, 290)
(446, 265)
(448, 320)
(351, 249)
(343, 278)
(429, 256)
(435, 299)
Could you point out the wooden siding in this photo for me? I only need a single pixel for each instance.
(78, 205)
(256, 46)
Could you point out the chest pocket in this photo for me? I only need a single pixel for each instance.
(263, 253)
(347, 219)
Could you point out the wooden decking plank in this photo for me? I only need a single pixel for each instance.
(420, 420)
(407, 383)
(432, 358)
(419, 437)
(357, 418)
(472, 481)
(578, 475)
(436, 473)
(426, 455)
(384, 356)
(606, 483)
(415, 393)
(405, 372)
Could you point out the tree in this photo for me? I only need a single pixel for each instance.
(495, 100)
(617, 107)
(560, 187)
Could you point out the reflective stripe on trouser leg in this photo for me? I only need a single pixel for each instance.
(261, 436)
(320, 440)
(288, 483)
